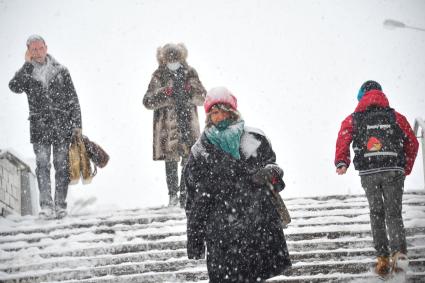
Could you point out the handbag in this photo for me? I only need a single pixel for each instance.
(280, 206)
(74, 163)
(96, 153)
(79, 162)
(86, 171)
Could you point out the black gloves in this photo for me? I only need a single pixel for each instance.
(267, 174)
(76, 132)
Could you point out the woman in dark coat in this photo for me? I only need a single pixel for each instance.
(229, 207)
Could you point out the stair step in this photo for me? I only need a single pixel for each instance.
(149, 234)
(311, 273)
(133, 218)
(105, 260)
(329, 240)
(296, 242)
(196, 276)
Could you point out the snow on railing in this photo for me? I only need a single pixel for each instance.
(420, 123)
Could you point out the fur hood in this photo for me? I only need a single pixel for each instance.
(171, 52)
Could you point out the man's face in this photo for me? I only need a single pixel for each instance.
(38, 51)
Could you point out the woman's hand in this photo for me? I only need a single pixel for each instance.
(267, 174)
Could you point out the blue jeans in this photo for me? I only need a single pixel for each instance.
(384, 192)
(60, 163)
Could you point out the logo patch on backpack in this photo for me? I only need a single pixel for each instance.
(374, 144)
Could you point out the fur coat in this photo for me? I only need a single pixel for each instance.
(168, 143)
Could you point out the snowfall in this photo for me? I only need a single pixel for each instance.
(295, 67)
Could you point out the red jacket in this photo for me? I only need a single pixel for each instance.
(345, 135)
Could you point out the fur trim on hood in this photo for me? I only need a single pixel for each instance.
(171, 52)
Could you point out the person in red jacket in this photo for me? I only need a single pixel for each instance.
(385, 148)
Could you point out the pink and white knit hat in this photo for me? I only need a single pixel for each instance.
(220, 95)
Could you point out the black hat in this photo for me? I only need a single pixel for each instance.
(369, 85)
(366, 86)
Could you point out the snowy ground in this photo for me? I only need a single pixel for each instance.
(329, 240)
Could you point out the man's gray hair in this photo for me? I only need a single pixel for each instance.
(33, 38)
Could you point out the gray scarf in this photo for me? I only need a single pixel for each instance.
(46, 71)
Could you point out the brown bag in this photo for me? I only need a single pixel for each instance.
(74, 163)
(86, 170)
(280, 206)
(79, 162)
(96, 154)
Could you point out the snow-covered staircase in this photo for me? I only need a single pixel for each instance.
(329, 241)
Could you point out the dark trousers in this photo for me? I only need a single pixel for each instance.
(384, 192)
(171, 172)
(60, 163)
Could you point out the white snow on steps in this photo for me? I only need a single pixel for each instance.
(329, 241)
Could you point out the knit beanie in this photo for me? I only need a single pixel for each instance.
(366, 86)
(220, 95)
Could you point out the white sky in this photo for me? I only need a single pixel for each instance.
(295, 67)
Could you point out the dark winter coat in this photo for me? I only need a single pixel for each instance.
(231, 215)
(375, 98)
(53, 110)
(168, 142)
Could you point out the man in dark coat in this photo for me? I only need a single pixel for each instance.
(385, 149)
(54, 114)
(229, 204)
(174, 93)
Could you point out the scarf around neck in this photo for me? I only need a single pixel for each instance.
(226, 136)
(44, 72)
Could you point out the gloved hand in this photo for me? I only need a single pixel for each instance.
(187, 87)
(77, 132)
(267, 174)
(168, 91)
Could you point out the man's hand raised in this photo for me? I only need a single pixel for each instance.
(28, 57)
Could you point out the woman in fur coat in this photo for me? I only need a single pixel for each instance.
(174, 92)
(229, 207)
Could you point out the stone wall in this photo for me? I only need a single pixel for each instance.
(16, 180)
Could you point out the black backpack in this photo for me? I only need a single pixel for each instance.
(377, 140)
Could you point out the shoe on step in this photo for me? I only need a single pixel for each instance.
(46, 213)
(400, 262)
(61, 213)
